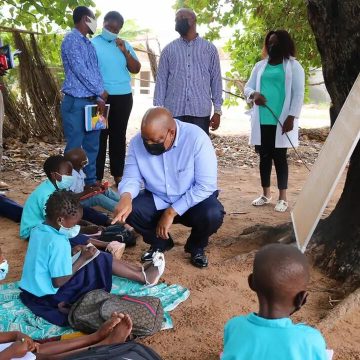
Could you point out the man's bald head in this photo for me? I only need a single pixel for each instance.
(156, 122)
(280, 272)
(77, 157)
(186, 13)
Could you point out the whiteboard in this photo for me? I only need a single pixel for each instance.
(327, 170)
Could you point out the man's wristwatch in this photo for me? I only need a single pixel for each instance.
(219, 112)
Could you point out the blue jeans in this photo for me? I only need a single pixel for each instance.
(73, 120)
(108, 200)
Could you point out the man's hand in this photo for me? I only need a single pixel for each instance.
(101, 105)
(104, 95)
(165, 222)
(123, 208)
(121, 45)
(215, 122)
(288, 124)
(259, 99)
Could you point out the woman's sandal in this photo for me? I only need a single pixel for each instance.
(116, 249)
(281, 206)
(158, 260)
(261, 200)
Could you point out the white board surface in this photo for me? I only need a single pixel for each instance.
(327, 169)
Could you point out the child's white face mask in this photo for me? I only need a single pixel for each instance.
(4, 269)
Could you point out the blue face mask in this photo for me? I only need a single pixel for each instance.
(4, 269)
(66, 182)
(108, 35)
(70, 232)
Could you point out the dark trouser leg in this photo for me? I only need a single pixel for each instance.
(10, 209)
(95, 217)
(281, 167)
(266, 152)
(101, 157)
(144, 218)
(120, 109)
(204, 219)
(202, 122)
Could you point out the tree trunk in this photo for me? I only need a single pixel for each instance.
(336, 27)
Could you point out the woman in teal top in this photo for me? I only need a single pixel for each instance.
(117, 60)
(276, 83)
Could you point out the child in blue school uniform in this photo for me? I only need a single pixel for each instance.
(280, 277)
(50, 282)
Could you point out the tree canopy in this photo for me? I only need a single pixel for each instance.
(250, 21)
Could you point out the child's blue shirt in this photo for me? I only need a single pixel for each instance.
(48, 256)
(252, 337)
(34, 208)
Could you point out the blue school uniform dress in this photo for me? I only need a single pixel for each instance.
(252, 337)
(49, 256)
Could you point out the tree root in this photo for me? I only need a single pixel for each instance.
(350, 304)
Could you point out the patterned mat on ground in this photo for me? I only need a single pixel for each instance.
(15, 316)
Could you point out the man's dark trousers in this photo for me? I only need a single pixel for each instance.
(204, 219)
(203, 122)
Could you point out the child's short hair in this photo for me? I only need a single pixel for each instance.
(52, 164)
(62, 203)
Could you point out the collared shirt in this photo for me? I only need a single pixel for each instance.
(48, 256)
(113, 65)
(82, 74)
(34, 208)
(181, 177)
(189, 78)
(79, 181)
(252, 337)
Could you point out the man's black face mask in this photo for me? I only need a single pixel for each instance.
(182, 26)
(157, 148)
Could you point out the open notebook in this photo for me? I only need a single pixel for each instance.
(77, 255)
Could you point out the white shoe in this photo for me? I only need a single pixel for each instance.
(281, 206)
(158, 261)
(261, 200)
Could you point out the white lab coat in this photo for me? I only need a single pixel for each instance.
(294, 98)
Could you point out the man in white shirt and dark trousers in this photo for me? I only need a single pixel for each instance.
(188, 80)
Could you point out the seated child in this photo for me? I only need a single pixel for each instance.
(280, 277)
(113, 331)
(107, 200)
(51, 282)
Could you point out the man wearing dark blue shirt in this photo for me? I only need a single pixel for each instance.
(83, 86)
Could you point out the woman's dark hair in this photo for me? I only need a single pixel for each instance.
(285, 41)
(79, 12)
(114, 16)
(52, 164)
(62, 203)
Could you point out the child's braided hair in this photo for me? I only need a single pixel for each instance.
(62, 203)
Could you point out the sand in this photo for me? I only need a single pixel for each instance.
(220, 291)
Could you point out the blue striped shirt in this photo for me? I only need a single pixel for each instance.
(82, 74)
(189, 78)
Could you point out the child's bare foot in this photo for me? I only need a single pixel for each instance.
(120, 332)
(108, 326)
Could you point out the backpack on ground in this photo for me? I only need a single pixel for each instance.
(95, 307)
(126, 351)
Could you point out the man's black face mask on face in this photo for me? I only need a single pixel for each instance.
(157, 148)
(182, 26)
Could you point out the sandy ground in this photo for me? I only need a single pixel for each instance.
(220, 291)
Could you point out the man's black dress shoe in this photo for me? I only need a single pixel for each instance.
(199, 259)
(147, 255)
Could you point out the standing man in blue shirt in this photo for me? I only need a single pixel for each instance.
(177, 164)
(188, 80)
(83, 86)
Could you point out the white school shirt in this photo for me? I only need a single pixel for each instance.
(79, 181)
(294, 99)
